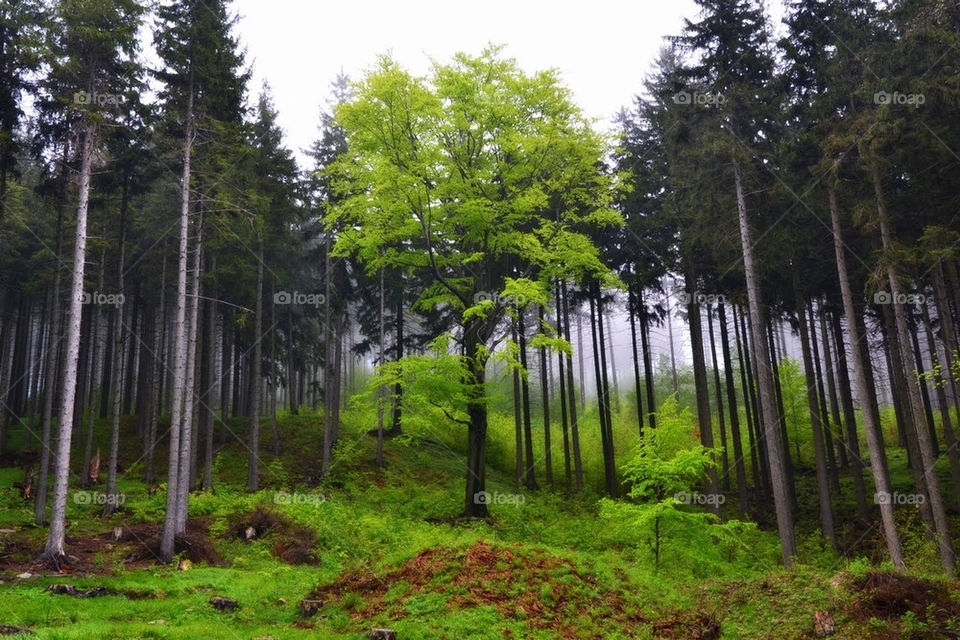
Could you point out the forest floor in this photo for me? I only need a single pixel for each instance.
(383, 549)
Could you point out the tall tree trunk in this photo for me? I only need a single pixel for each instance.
(583, 388)
(831, 381)
(849, 414)
(775, 452)
(179, 349)
(91, 383)
(631, 313)
(51, 360)
(823, 486)
(529, 476)
(647, 359)
(517, 417)
(942, 384)
(924, 392)
(545, 398)
(571, 394)
(54, 548)
(673, 355)
(701, 384)
(778, 392)
(828, 439)
(734, 415)
(116, 386)
(380, 390)
(474, 337)
(563, 396)
(720, 417)
(187, 435)
(274, 368)
(210, 387)
(757, 458)
(927, 456)
(397, 427)
(253, 443)
(156, 374)
(878, 459)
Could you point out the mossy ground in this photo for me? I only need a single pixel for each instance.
(385, 550)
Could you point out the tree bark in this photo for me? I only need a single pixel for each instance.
(571, 394)
(775, 452)
(823, 486)
(927, 456)
(179, 350)
(253, 444)
(878, 460)
(739, 465)
(54, 548)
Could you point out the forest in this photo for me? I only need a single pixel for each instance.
(376, 394)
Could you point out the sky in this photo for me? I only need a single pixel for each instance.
(603, 48)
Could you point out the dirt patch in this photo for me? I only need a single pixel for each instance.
(701, 626)
(545, 591)
(291, 542)
(891, 596)
(135, 546)
(195, 544)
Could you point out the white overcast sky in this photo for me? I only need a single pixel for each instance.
(603, 48)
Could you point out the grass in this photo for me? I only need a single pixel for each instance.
(389, 554)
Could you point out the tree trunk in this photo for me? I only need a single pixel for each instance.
(757, 458)
(187, 436)
(849, 415)
(517, 417)
(529, 476)
(253, 444)
(631, 313)
(51, 360)
(545, 398)
(878, 460)
(179, 350)
(571, 394)
(209, 387)
(833, 472)
(823, 486)
(476, 497)
(701, 384)
(563, 397)
(734, 416)
(380, 393)
(54, 550)
(720, 417)
(116, 386)
(942, 384)
(647, 359)
(927, 456)
(775, 453)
